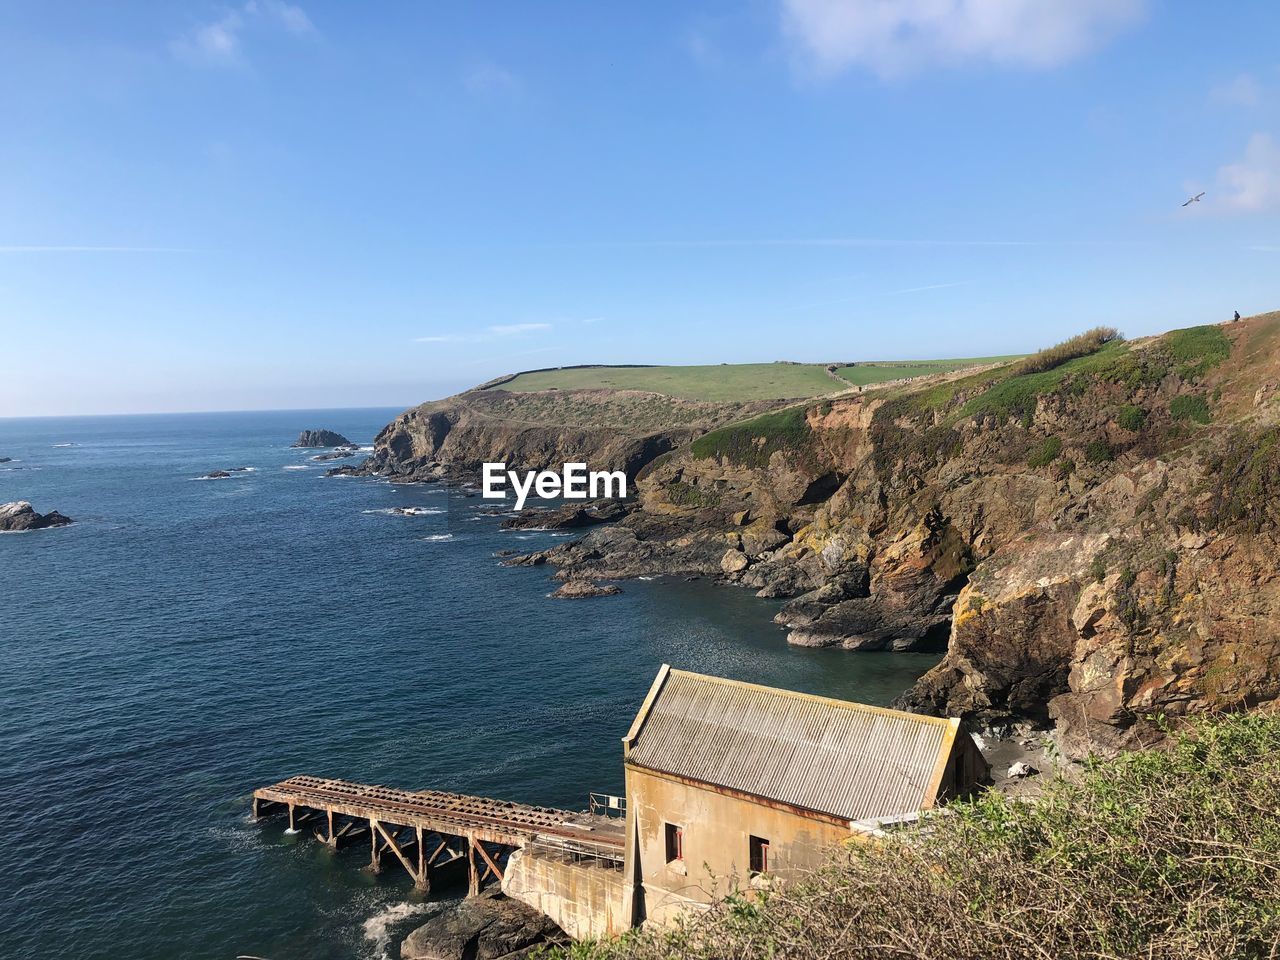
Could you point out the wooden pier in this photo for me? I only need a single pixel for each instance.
(428, 830)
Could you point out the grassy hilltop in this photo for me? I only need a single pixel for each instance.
(736, 382)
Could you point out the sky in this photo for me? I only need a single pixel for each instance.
(262, 204)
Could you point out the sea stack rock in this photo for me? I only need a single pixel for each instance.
(321, 438)
(20, 516)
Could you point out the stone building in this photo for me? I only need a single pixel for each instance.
(730, 783)
(733, 785)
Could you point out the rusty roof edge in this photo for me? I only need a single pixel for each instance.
(798, 695)
(940, 767)
(663, 672)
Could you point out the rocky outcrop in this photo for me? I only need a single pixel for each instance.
(581, 589)
(608, 429)
(568, 517)
(481, 928)
(321, 438)
(20, 516)
(340, 453)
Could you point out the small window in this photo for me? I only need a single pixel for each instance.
(675, 843)
(759, 856)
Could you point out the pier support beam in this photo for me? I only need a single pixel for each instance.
(375, 855)
(473, 877)
(392, 844)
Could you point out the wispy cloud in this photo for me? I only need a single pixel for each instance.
(895, 37)
(1252, 184)
(1242, 91)
(517, 329)
(488, 79)
(872, 295)
(73, 248)
(499, 331)
(812, 242)
(221, 41)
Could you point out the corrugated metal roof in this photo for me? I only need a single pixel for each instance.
(844, 759)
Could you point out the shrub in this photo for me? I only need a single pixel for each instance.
(1045, 453)
(753, 442)
(1099, 451)
(1017, 394)
(1081, 345)
(1132, 418)
(1098, 568)
(1188, 407)
(1171, 854)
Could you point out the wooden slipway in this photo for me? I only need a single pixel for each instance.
(429, 829)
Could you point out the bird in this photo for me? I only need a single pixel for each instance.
(1195, 199)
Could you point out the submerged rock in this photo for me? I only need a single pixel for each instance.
(216, 475)
(21, 516)
(484, 927)
(341, 453)
(580, 589)
(321, 438)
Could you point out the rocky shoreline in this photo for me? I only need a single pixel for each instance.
(1069, 540)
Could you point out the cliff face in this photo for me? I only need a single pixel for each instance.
(608, 429)
(1094, 541)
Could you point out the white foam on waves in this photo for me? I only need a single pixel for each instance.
(377, 928)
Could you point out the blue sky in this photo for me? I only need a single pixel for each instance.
(240, 205)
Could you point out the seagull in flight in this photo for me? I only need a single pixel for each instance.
(1195, 199)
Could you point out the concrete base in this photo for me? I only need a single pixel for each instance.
(585, 898)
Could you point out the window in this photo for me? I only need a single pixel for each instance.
(759, 849)
(675, 843)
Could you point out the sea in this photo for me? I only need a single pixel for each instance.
(188, 640)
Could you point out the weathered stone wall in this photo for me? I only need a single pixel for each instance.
(584, 898)
(717, 830)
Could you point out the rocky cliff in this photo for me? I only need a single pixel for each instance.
(1091, 533)
(608, 429)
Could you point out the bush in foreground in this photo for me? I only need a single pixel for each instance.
(1164, 855)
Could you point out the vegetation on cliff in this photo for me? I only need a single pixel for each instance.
(1168, 854)
(753, 442)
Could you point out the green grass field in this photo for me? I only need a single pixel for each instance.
(881, 371)
(732, 382)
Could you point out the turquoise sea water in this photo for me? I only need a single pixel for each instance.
(185, 641)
